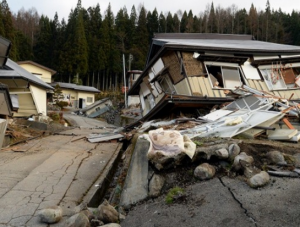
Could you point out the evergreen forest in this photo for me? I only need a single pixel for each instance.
(88, 48)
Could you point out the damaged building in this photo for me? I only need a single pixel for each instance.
(195, 71)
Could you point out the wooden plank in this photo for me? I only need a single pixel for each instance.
(287, 123)
(282, 134)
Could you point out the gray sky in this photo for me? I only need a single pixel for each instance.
(63, 7)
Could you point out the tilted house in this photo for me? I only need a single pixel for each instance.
(28, 91)
(42, 72)
(199, 70)
(78, 96)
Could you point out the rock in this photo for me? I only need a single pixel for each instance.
(108, 213)
(205, 171)
(96, 223)
(88, 213)
(249, 170)
(297, 159)
(122, 217)
(111, 225)
(51, 215)
(155, 185)
(259, 180)
(275, 157)
(242, 156)
(78, 220)
(233, 151)
(217, 150)
(221, 153)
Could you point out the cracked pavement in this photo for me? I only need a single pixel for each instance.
(51, 171)
(223, 202)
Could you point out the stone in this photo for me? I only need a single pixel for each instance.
(107, 213)
(96, 223)
(259, 180)
(155, 185)
(111, 225)
(51, 215)
(275, 157)
(78, 220)
(204, 171)
(206, 152)
(88, 213)
(248, 169)
(242, 156)
(233, 151)
(221, 153)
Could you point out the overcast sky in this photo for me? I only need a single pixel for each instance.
(63, 7)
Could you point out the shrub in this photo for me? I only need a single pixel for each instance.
(62, 104)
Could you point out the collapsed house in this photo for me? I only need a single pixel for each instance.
(195, 71)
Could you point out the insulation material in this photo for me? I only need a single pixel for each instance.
(250, 72)
(171, 60)
(158, 66)
(192, 66)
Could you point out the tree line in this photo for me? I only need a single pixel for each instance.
(88, 48)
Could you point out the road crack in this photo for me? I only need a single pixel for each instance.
(239, 202)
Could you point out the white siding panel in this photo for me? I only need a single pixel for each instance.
(250, 72)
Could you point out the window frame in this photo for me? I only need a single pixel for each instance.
(225, 65)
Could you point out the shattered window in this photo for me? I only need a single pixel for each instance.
(224, 75)
(280, 76)
(167, 85)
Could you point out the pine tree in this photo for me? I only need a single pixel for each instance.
(8, 30)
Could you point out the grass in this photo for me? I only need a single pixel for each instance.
(173, 193)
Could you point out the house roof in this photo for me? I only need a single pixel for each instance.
(37, 65)
(241, 45)
(76, 87)
(13, 70)
(97, 103)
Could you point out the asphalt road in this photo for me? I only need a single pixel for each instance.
(53, 170)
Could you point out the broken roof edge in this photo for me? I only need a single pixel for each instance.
(202, 36)
(176, 100)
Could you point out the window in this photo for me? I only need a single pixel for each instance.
(89, 99)
(166, 84)
(280, 76)
(224, 75)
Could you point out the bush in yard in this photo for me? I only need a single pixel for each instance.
(62, 104)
